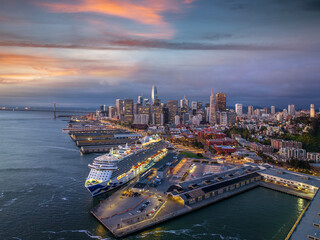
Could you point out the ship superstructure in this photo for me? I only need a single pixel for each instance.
(121, 165)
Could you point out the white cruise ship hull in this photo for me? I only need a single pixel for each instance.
(106, 186)
(113, 183)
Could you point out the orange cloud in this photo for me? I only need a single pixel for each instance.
(44, 70)
(147, 12)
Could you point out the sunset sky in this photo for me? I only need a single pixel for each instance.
(90, 52)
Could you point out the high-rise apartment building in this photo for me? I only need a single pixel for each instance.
(212, 115)
(291, 110)
(312, 111)
(156, 112)
(112, 112)
(250, 110)
(173, 110)
(128, 110)
(238, 109)
(184, 103)
(140, 100)
(221, 102)
(119, 108)
(273, 110)
(194, 105)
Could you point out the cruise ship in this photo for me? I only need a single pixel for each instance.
(121, 165)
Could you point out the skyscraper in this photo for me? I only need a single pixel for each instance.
(273, 110)
(173, 110)
(112, 112)
(140, 100)
(312, 111)
(212, 116)
(128, 110)
(156, 112)
(291, 110)
(184, 103)
(194, 105)
(250, 110)
(221, 102)
(154, 93)
(119, 107)
(238, 108)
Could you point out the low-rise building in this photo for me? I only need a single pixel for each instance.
(297, 153)
(313, 157)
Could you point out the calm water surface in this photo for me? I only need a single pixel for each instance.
(42, 194)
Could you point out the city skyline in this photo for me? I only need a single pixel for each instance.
(92, 52)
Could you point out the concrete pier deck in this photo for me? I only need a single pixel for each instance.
(122, 223)
(125, 214)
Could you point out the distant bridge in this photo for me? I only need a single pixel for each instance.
(46, 110)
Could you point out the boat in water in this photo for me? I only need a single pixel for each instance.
(121, 165)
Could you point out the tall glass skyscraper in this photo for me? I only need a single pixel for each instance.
(154, 93)
(212, 115)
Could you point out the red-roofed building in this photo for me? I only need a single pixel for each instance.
(224, 149)
(221, 141)
(209, 133)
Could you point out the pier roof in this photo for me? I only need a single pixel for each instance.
(298, 177)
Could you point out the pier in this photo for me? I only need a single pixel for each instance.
(148, 206)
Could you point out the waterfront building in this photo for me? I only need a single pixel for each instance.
(221, 102)
(212, 114)
(250, 110)
(154, 93)
(173, 109)
(128, 110)
(312, 111)
(112, 112)
(184, 103)
(273, 110)
(238, 109)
